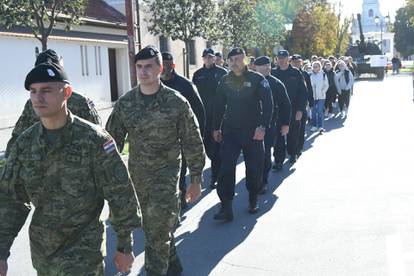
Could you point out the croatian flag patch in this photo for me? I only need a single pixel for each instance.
(109, 146)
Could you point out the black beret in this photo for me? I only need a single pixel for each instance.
(218, 54)
(146, 53)
(49, 56)
(46, 72)
(283, 53)
(263, 60)
(296, 57)
(235, 51)
(167, 56)
(208, 51)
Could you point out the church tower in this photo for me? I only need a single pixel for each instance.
(371, 9)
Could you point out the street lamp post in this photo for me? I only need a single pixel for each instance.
(382, 21)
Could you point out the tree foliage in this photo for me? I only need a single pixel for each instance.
(317, 31)
(404, 31)
(180, 19)
(40, 16)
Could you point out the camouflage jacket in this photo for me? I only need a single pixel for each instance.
(158, 133)
(77, 104)
(67, 184)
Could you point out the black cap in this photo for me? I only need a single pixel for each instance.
(263, 60)
(146, 53)
(218, 54)
(235, 51)
(296, 57)
(283, 53)
(46, 72)
(208, 52)
(167, 56)
(49, 56)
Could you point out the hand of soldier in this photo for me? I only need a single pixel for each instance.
(3, 268)
(123, 262)
(217, 136)
(298, 115)
(284, 130)
(259, 134)
(193, 192)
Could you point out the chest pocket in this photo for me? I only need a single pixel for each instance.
(33, 173)
(75, 174)
(161, 128)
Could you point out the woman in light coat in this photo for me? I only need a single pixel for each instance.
(320, 85)
(344, 81)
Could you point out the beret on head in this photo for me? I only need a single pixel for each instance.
(283, 53)
(263, 60)
(296, 57)
(208, 52)
(218, 54)
(49, 56)
(147, 53)
(235, 51)
(46, 72)
(167, 56)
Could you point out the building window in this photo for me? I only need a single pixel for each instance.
(84, 60)
(164, 45)
(98, 64)
(192, 53)
(371, 13)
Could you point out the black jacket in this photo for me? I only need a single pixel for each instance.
(243, 102)
(282, 107)
(189, 91)
(295, 86)
(206, 81)
(309, 88)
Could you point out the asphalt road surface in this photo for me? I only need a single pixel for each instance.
(345, 208)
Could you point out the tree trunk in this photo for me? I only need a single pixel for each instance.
(44, 43)
(187, 59)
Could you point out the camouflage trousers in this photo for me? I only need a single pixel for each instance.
(83, 257)
(158, 197)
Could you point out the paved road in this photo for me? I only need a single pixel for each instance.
(345, 208)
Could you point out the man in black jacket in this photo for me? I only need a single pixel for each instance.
(279, 126)
(296, 89)
(297, 62)
(184, 86)
(243, 112)
(206, 80)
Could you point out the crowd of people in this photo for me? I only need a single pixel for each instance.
(61, 161)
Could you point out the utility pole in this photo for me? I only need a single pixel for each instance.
(138, 23)
(131, 42)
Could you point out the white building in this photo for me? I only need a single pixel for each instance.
(95, 57)
(164, 44)
(372, 29)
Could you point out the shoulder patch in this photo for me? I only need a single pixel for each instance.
(265, 84)
(109, 146)
(90, 103)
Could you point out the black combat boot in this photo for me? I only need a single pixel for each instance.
(226, 211)
(253, 204)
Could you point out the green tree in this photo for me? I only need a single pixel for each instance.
(40, 16)
(181, 19)
(315, 30)
(404, 32)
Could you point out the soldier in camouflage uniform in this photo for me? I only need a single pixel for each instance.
(159, 123)
(78, 104)
(65, 167)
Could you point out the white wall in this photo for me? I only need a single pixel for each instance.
(17, 56)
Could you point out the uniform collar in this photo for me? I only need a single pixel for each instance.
(158, 99)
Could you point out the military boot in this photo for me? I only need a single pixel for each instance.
(253, 204)
(226, 211)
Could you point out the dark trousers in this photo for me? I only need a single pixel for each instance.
(289, 143)
(330, 99)
(301, 134)
(182, 184)
(213, 152)
(269, 142)
(344, 99)
(234, 141)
